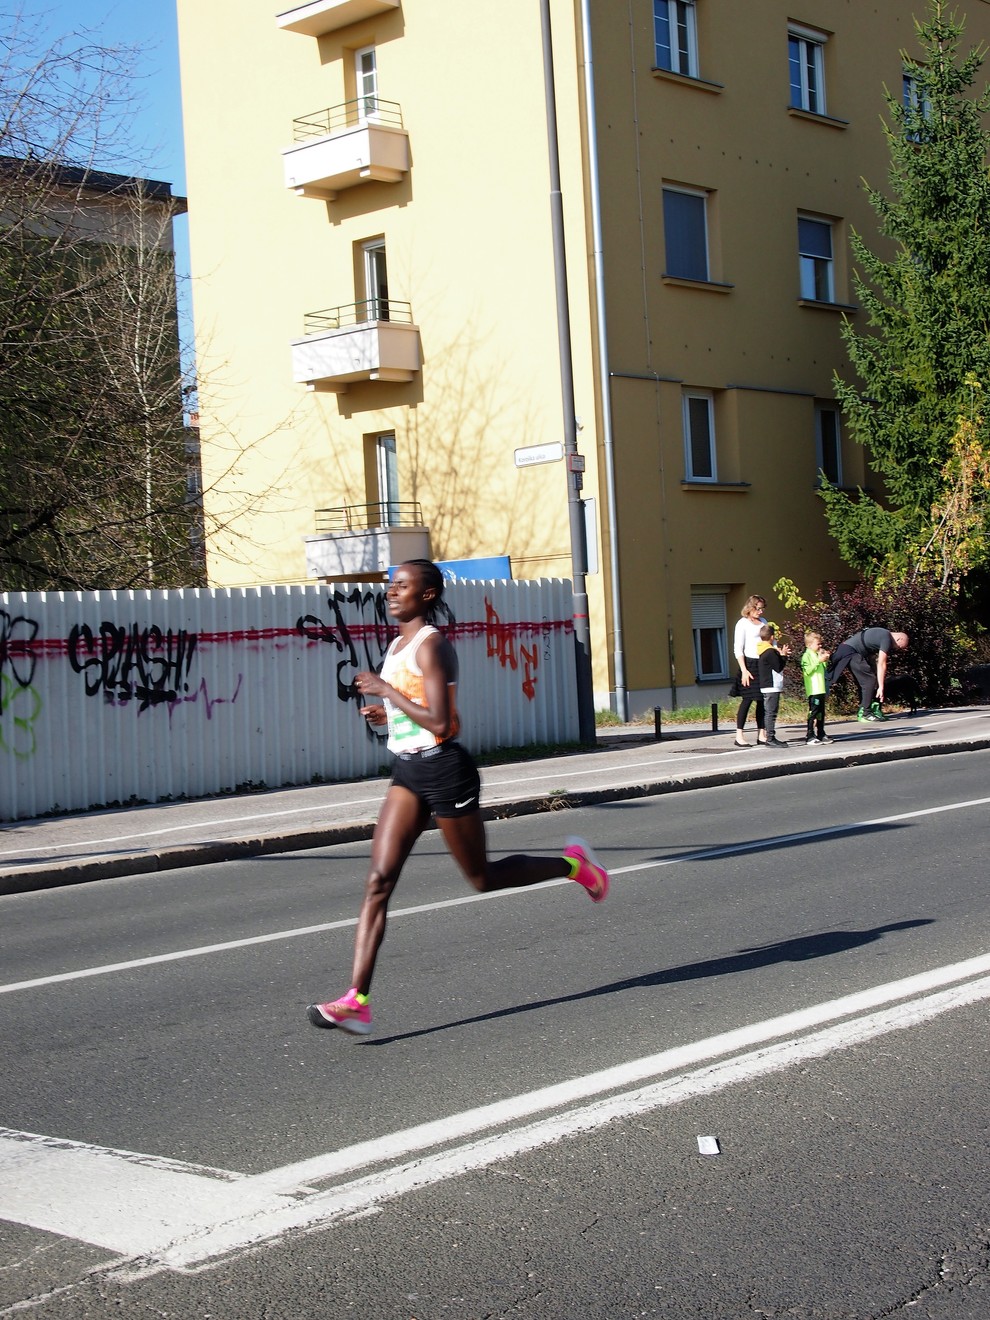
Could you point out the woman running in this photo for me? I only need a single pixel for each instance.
(435, 776)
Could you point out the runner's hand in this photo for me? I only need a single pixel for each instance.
(370, 684)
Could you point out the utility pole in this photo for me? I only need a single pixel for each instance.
(574, 460)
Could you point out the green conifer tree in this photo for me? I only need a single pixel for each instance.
(928, 306)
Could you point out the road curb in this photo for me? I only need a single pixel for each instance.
(54, 875)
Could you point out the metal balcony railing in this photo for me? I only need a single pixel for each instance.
(352, 114)
(360, 313)
(364, 517)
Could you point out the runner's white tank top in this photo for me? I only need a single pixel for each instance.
(400, 670)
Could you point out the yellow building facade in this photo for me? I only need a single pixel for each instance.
(374, 293)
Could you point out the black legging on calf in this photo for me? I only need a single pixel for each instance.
(753, 697)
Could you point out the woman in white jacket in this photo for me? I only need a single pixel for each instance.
(745, 641)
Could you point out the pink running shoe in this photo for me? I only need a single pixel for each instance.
(345, 1013)
(590, 871)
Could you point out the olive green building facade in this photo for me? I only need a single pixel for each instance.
(376, 301)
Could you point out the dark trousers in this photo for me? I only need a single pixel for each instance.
(750, 696)
(859, 666)
(816, 715)
(771, 701)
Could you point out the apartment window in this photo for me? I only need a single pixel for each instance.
(387, 465)
(917, 107)
(806, 58)
(699, 436)
(366, 83)
(815, 259)
(709, 629)
(375, 281)
(685, 229)
(676, 36)
(828, 443)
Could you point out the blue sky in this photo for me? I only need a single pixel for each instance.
(150, 25)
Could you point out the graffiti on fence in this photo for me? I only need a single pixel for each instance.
(361, 644)
(17, 634)
(202, 695)
(504, 646)
(21, 704)
(127, 664)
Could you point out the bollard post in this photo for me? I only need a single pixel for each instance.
(714, 717)
(657, 732)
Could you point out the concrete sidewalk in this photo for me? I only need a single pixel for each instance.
(628, 762)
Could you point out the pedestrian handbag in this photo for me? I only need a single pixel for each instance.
(737, 689)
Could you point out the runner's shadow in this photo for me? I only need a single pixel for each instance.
(800, 949)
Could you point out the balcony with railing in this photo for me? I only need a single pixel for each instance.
(361, 141)
(319, 17)
(360, 541)
(374, 340)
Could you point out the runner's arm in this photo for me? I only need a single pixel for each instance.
(437, 661)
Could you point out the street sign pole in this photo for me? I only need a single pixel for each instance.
(575, 463)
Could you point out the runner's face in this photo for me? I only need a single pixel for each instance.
(406, 596)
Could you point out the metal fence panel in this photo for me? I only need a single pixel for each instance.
(108, 698)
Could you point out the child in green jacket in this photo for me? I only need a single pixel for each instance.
(813, 669)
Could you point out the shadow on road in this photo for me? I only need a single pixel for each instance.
(800, 949)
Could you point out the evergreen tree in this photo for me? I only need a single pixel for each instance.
(929, 312)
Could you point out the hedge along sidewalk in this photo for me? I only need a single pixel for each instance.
(627, 763)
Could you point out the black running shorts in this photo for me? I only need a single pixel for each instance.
(445, 778)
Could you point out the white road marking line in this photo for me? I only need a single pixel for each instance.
(161, 1214)
(951, 719)
(400, 1145)
(113, 1199)
(315, 1212)
(705, 854)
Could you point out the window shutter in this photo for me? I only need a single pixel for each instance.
(708, 610)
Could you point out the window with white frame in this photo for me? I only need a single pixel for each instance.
(828, 443)
(366, 83)
(917, 107)
(709, 629)
(815, 259)
(806, 60)
(676, 36)
(685, 227)
(387, 464)
(699, 436)
(375, 280)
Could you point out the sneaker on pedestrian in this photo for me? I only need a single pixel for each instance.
(812, 742)
(861, 715)
(826, 739)
(588, 871)
(876, 710)
(775, 742)
(348, 1013)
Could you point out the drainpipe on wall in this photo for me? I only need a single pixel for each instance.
(575, 509)
(591, 151)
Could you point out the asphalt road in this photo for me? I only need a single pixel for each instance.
(797, 968)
